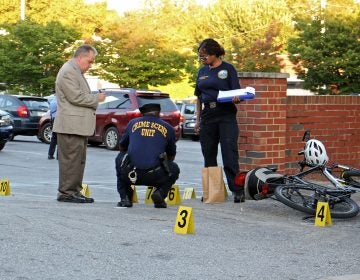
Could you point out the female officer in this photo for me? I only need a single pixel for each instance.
(216, 122)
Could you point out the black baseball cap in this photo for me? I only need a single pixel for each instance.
(150, 107)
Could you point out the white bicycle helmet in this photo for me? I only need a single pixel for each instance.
(315, 152)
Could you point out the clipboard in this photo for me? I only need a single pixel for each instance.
(243, 93)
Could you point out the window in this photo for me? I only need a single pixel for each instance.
(189, 109)
(36, 104)
(166, 103)
(9, 102)
(116, 101)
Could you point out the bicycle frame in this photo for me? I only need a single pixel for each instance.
(301, 194)
(337, 182)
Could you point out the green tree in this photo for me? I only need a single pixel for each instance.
(87, 19)
(251, 31)
(31, 55)
(327, 50)
(141, 52)
(9, 11)
(141, 64)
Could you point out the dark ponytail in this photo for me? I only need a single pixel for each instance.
(211, 47)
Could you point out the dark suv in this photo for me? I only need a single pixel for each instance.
(26, 112)
(120, 106)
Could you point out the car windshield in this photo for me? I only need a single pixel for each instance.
(167, 105)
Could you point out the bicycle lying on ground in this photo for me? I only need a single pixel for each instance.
(303, 194)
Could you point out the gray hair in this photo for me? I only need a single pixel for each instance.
(85, 49)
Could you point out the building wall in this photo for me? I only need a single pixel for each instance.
(272, 125)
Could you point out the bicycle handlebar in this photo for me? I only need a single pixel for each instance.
(306, 136)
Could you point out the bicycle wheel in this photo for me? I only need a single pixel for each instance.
(303, 198)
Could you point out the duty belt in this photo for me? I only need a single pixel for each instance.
(150, 170)
(132, 175)
(210, 105)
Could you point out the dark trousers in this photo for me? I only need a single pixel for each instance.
(53, 144)
(53, 141)
(72, 158)
(223, 130)
(157, 178)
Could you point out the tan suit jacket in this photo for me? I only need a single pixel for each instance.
(76, 105)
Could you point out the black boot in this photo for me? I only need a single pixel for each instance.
(239, 196)
(125, 203)
(158, 199)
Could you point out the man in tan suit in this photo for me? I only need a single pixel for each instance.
(74, 122)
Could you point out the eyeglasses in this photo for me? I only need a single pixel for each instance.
(203, 57)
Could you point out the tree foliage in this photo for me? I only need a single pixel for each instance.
(252, 31)
(85, 18)
(327, 50)
(141, 52)
(31, 55)
(157, 44)
(140, 66)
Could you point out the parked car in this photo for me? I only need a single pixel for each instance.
(6, 128)
(25, 111)
(112, 116)
(188, 120)
(45, 129)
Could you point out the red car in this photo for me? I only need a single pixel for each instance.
(112, 116)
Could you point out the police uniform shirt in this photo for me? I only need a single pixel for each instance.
(210, 80)
(146, 138)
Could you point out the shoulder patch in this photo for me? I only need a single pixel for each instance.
(223, 74)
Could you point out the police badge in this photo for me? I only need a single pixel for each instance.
(223, 74)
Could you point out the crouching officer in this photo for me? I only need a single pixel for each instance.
(147, 151)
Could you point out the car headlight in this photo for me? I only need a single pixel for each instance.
(5, 120)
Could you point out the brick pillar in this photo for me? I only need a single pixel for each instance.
(262, 121)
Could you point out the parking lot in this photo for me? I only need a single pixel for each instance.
(41, 238)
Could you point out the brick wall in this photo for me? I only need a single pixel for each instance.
(272, 125)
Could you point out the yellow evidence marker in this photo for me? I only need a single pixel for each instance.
(148, 199)
(134, 198)
(189, 193)
(322, 216)
(173, 197)
(184, 223)
(4, 187)
(85, 190)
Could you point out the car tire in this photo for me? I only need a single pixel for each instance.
(45, 133)
(2, 145)
(111, 138)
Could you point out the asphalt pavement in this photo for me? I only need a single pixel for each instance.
(41, 238)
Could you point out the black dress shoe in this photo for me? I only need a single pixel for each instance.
(73, 199)
(159, 202)
(87, 199)
(51, 157)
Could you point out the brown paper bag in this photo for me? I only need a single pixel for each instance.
(213, 184)
(205, 184)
